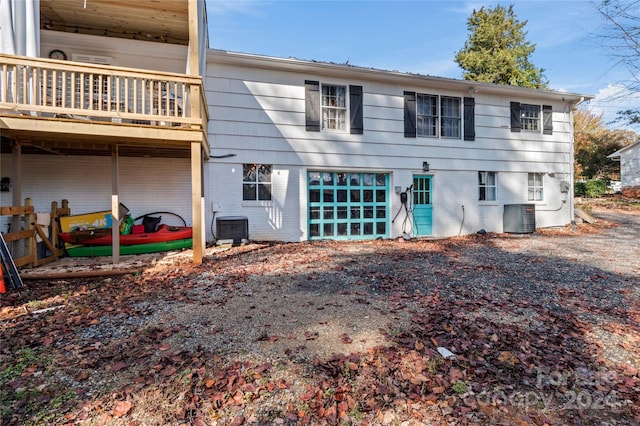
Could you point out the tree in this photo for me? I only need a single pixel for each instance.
(497, 50)
(621, 37)
(593, 142)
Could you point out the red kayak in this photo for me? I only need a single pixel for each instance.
(164, 233)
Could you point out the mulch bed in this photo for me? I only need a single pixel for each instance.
(543, 328)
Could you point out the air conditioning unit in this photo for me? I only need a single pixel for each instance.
(234, 228)
(519, 218)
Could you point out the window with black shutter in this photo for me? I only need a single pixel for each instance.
(436, 116)
(331, 107)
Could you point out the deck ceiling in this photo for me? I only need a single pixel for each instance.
(151, 20)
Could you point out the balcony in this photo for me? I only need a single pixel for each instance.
(101, 105)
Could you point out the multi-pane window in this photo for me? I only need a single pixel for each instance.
(487, 186)
(530, 117)
(427, 115)
(256, 182)
(438, 114)
(344, 205)
(450, 117)
(334, 107)
(535, 187)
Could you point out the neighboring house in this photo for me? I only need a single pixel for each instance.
(102, 102)
(629, 158)
(318, 150)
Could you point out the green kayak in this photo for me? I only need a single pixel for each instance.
(91, 251)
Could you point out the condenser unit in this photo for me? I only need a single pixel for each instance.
(234, 228)
(519, 218)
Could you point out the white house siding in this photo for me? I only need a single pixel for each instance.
(146, 184)
(257, 113)
(137, 54)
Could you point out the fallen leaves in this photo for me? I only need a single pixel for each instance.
(508, 346)
(345, 338)
(122, 408)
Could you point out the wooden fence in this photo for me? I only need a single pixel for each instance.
(23, 242)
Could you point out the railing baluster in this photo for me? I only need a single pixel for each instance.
(126, 94)
(63, 94)
(135, 84)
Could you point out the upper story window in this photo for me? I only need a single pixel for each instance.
(451, 115)
(528, 118)
(535, 187)
(427, 115)
(487, 186)
(438, 116)
(332, 107)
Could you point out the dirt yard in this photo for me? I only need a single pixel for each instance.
(486, 329)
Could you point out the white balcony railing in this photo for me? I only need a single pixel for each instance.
(35, 87)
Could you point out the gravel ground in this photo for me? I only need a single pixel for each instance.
(297, 305)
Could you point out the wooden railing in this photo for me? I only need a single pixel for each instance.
(36, 87)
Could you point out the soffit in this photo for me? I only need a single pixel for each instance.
(152, 20)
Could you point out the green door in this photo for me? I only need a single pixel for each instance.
(422, 207)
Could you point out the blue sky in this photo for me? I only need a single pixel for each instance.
(421, 36)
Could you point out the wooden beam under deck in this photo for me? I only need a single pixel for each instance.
(98, 131)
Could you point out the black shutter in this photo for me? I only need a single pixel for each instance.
(355, 106)
(515, 116)
(469, 119)
(409, 114)
(312, 105)
(547, 119)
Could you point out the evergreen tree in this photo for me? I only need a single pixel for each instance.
(497, 50)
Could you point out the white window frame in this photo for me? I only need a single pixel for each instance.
(332, 110)
(484, 185)
(255, 179)
(535, 187)
(451, 121)
(530, 118)
(434, 120)
(427, 115)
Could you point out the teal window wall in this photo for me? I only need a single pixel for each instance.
(344, 205)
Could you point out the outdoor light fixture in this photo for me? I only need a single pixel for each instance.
(425, 166)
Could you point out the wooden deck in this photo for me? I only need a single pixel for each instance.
(71, 99)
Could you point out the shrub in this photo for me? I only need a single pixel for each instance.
(596, 188)
(591, 189)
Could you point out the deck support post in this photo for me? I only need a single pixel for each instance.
(197, 203)
(115, 205)
(16, 191)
